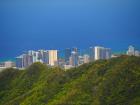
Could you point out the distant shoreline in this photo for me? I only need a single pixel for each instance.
(7, 59)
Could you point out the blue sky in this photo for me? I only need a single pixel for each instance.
(58, 24)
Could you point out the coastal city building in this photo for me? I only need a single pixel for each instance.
(91, 53)
(27, 60)
(67, 55)
(24, 61)
(43, 56)
(9, 64)
(74, 59)
(137, 53)
(86, 58)
(83, 59)
(35, 55)
(19, 61)
(75, 49)
(132, 52)
(80, 60)
(102, 53)
(52, 57)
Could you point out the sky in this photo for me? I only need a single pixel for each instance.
(59, 24)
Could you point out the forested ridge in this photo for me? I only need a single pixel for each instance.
(104, 82)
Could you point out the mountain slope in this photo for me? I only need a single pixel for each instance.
(105, 82)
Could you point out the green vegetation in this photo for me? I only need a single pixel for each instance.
(105, 82)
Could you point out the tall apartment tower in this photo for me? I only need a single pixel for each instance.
(19, 62)
(91, 53)
(42, 56)
(27, 60)
(52, 57)
(74, 59)
(102, 53)
(131, 51)
(67, 55)
(75, 49)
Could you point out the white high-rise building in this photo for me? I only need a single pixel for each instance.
(131, 51)
(52, 57)
(42, 56)
(102, 53)
(39, 56)
(34, 55)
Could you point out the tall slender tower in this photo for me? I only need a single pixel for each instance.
(52, 57)
(74, 59)
(91, 53)
(67, 55)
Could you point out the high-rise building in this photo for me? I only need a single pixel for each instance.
(107, 53)
(83, 59)
(75, 49)
(102, 53)
(131, 51)
(27, 60)
(43, 56)
(74, 59)
(39, 56)
(34, 55)
(24, 61)
(52, 57)
(67, 55)
(91, 53)
(19, 61)
(80, 60)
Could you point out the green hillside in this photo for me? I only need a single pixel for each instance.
(105, 82)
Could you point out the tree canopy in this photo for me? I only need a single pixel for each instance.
(104, 82)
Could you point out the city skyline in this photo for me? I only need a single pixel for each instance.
(62, 52)
(73, 57)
